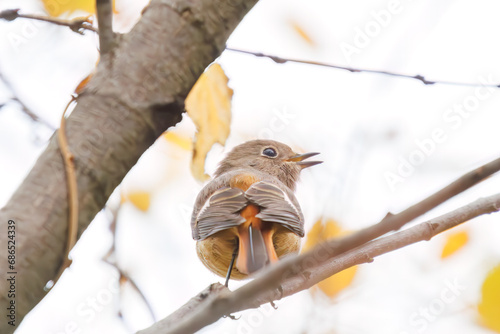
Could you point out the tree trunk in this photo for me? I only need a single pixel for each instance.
(136, 93)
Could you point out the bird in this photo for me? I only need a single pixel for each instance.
(247, 216)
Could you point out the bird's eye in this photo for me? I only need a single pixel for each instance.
(270, 152)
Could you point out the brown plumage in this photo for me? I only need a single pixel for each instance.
(249, 209)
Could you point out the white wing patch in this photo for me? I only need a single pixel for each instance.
(291, 203)
(203, 208)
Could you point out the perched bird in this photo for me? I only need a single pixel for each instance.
(248, 212)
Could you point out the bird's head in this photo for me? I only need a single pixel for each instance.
(267, 156)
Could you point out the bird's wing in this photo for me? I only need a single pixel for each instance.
(278, 205)
(220, 211)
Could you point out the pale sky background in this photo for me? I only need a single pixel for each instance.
(364, 125)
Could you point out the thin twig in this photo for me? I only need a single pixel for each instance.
(24, 107)
(126, 278)
(262, 290)
(69, 167)
(419, 77)
(110, 258)
(78, 25)
(32, 115)
(104, 11)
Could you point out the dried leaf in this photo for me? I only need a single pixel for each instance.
(140, 199)
(454, 242)
(183, 142)
(83, 83)
(209, 106)
(81, 86)
(320, 232)
(489, 307)
(57, 7)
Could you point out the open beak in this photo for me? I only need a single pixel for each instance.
(298, 159)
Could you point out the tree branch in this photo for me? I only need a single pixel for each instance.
(293, 266)
(78, 25)
(298, 273)
(365, 253)
(119, 114)
(419, 77)
(24, 107)
(104, 11)
(393, 222)
(110, 258)
(212, 291)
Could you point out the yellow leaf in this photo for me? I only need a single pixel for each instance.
(320, 232)
(140, 199)
(57, 7)
(489, 307)
(209, 106)
(183, 142)
(302, 33)
(338, 282)
(454, 242)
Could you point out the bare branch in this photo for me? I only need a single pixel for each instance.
(124, 277)
(110, 258)
(298, 273)
(368, 251)
(24, 107)
(214, 290)
(104, 11)
(207, 296)
(393, 222)
(320, 257)
(419, 77)
(78, 25)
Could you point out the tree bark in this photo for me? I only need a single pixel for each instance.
(136, 93)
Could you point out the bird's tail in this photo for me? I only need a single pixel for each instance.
(255, 248)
